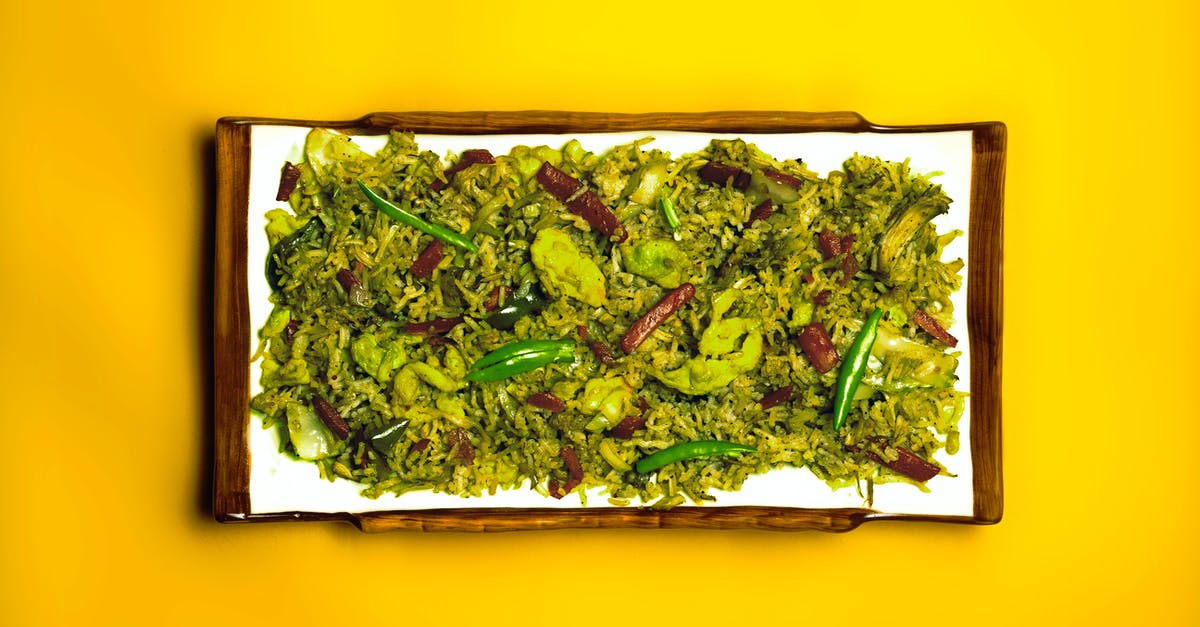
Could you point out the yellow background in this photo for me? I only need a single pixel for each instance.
(107, 110)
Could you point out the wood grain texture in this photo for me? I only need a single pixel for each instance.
(232, 332)
(492, 122)
(985, 306)
(231, 325)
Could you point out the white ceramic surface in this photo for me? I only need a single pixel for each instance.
(281, 484)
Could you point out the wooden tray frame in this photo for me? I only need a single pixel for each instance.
(231, 326)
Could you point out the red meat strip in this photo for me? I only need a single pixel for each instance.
(644, 326)
(546, 401)
(427, 260)
(600, 217)
(496, 297)
(348, 281)
(830, 244)
(717, 173)
(560, 184)
(602, 353)
(834, 245)
(289, 332)
(780, 396)
(588, 205)
(908, 463)
(287, 182)
(849, 268)
(418, 446)
(436, 326)
(468, 158)
(458, 443)
(331, 417)
(762, 211)
(627, 427)
(353, 286)
(814, 341)
(780, 177)
(574, 473)
(931, 326)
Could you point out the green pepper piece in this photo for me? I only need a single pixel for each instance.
(689, 450)
(526, 301)
(566, 270)
(277, 322)
(611, 400)
(396, 213)
(325, 148)
(515, 349)
(661, 261)
(292, 372)
(375, 359)
(854, 365)
(384, 440)
(519, 357)
(644, 184)
(310, 437)
(699, 376)
(909, 363)
(802, 314)
(516, 365)
(529, 160)
(707, 373)
(669, 212)
(574, 151)
(286, 247)
(904, 230)
(280, 224)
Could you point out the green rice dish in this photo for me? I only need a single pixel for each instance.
(379, 358)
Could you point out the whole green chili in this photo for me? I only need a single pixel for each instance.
(854, 365)
(669, 212)
(518, 348)
(519, 357)
(524, 362)
(400, 215)
(689, 450)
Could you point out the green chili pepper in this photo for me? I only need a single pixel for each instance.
(289, 245)
(854, 365)
(515, 349)
(668, 208)
(519, 357)
(527, 300)
(396, 213)
(384, 439)
(689, 450)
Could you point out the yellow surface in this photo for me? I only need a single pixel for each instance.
(108, 111)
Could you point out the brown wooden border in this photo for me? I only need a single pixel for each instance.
(231, 331)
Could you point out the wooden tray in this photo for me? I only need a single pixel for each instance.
(232, 330)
